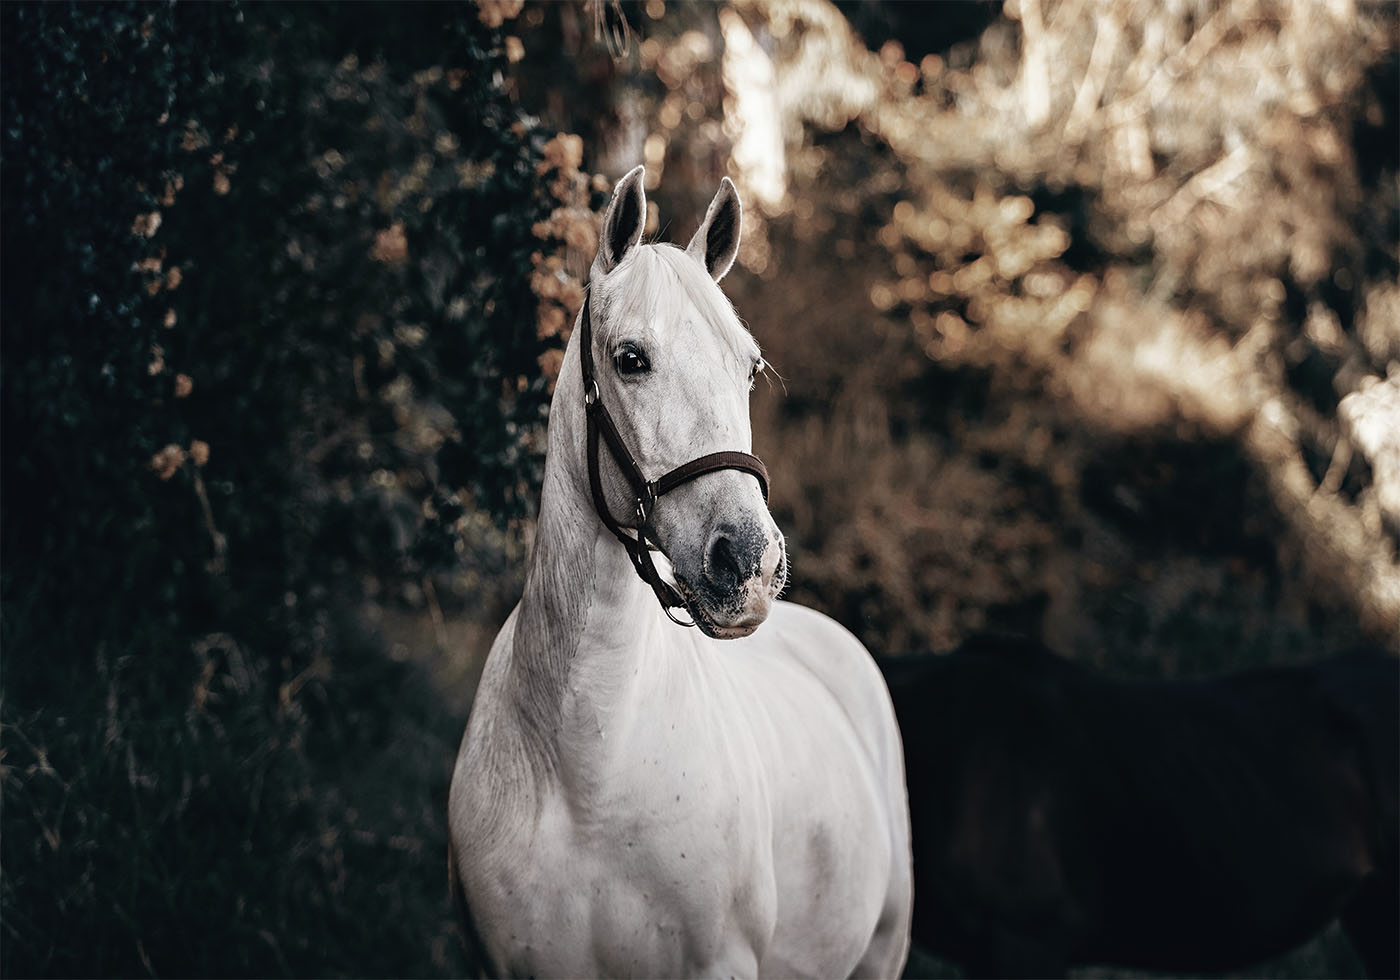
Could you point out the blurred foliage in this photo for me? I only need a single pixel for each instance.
(1082, 336)
(283, 290)
(1086, 313)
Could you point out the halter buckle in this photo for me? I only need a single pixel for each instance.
(590, 392)
(644, 506)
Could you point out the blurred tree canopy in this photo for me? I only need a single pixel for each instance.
(1086, 312)
(1162, 243)
(1149, 253)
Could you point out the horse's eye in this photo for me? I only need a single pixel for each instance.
(631, 360)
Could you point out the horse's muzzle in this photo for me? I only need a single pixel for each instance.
(743, 569)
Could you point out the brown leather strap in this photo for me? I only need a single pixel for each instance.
(645, 492)
(726, 460)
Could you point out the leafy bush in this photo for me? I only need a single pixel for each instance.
(282, 295)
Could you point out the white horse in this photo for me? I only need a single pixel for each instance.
(636, 799)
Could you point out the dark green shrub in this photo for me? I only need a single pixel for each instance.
(269, 334)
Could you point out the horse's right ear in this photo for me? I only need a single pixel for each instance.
(627, 217)
(716, 242)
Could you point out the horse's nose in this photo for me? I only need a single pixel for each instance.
(735, 555)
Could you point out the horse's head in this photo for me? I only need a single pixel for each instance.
(674, 367)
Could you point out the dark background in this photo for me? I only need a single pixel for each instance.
(1082, 316)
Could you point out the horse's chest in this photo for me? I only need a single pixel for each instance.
(640, 884)
(686, 841)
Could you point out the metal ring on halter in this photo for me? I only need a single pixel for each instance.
(672, 616)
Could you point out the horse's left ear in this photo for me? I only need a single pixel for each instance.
(717, 241)
(624, 222)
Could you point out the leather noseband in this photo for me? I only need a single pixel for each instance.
(645, 492)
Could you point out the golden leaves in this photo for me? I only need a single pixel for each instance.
(222, 168)
(146, 225)
(494, 13)
(167, 462)
(564, 152)
(576, 227)
(390, 245)
(556, 278)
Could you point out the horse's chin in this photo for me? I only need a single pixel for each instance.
(715, 632)
(721, 626)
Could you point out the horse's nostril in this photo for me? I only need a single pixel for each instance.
(721, 562)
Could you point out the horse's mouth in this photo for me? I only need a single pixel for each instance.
(739, 624)
(711, 629)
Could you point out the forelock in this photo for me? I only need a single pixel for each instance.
(654, 284)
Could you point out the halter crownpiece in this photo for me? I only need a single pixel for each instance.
(645, 492)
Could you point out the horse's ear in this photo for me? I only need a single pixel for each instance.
(627, 217)
(717, 241)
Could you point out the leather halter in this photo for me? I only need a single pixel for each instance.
(645, 492)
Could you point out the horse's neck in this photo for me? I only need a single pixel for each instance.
(584, 615)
